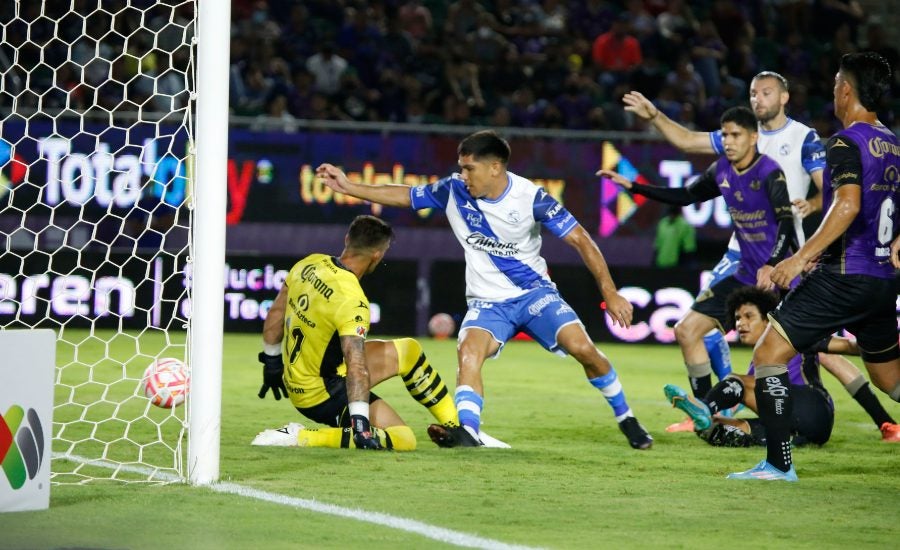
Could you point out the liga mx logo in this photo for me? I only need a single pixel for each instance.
(21, 445)
(616, 204)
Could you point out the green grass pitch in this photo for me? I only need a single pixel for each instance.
(570, 480)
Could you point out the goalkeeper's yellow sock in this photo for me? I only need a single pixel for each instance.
(424, 383)
(397, 438)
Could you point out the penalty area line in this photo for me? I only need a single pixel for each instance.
(440, 534)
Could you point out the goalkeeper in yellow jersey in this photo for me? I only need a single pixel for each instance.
(316, 353)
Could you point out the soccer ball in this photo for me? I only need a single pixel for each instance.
(166, 382)
(441, 325)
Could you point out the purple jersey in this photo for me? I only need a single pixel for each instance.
(867, 155)
(757, 199)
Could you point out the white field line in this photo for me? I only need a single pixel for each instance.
(441, 534)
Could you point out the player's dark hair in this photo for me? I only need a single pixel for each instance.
(369, 232)
(764, 300)
(742, 116)
(870, 76)
(485, 143)
(782, 81)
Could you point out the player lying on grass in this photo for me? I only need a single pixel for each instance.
(813, 415)
(324, 314)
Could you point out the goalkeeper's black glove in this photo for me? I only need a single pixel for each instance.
(273, 376)
(363, 435)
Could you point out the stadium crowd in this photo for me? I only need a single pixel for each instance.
(523, 63)
(539, 63)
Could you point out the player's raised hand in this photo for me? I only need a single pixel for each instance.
(616, 177)
(619, 309)
(333, 177)
(636, 103)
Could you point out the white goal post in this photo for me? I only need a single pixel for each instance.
(113, 147)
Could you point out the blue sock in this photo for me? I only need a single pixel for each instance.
(719, 353)
(609, 386)
(469, 405)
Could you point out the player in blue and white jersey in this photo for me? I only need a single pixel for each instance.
(800, 154)
(497, 217)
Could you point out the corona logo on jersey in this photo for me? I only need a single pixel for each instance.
(616, 204)
(12, 168)
(21, 445)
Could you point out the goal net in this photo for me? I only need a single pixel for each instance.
(97, 111)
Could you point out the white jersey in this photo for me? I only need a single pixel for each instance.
(797, 150)
(502, 237)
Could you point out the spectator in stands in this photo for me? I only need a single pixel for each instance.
(488, 47)
(643, 24)
(251, 101)
(360, 43)
(415, 19)
(463, 17)
(677, 25)
(686, 83)
(523, 110)
(573, 104)
(462, 79)
(551, 16)
(708, 55)
(300, 93)
(326, 68)
(398, 47)
(591, 18)
(276, 118)
(616, 53)
(298, 35)
(355, 100)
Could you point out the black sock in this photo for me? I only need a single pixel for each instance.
(869, 401)
(700, 386)
(773, 399)
(726, 394)
(700, 378)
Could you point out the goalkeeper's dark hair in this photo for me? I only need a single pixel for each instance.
(742, 116)
(369, 232)
(485, 144)
(870, 76)
(764, 300)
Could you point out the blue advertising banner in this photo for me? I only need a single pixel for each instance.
(92, 170)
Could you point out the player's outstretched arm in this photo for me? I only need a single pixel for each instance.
(617, 306)
(618, 178)
(387, 194)
(701, 189)
(676, 134)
